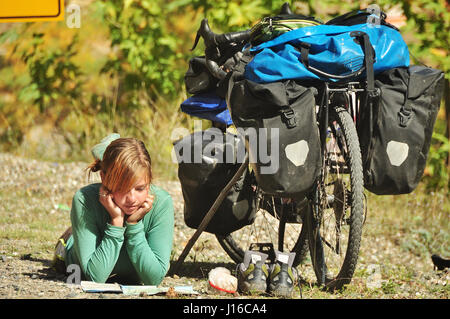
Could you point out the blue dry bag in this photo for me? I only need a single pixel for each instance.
(330, 48)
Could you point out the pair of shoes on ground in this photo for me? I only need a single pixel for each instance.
(255, 276)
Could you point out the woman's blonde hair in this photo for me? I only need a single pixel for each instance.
(125, 161)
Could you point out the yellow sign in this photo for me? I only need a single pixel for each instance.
(31, 10)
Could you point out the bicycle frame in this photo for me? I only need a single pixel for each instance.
(355, 96)
(348, 90)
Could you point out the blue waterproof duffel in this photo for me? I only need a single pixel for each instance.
(332, 49)
(208, 106)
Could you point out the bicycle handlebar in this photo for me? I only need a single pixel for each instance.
(215, 70)
(213, 44)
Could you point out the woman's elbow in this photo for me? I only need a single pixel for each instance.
(95, 276)
(156, 276)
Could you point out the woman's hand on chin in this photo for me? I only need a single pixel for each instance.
(141, 211)
(115, 212)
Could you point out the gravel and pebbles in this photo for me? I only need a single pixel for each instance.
(47, 189)
(29, 186)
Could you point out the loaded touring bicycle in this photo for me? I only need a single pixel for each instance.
(313, 114)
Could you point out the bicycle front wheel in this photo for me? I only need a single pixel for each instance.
(335, 222)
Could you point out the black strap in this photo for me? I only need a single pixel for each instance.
(371, 96)
(406, 112)
(245, 59)
(304, 53)
(288, 117)
(369, 57)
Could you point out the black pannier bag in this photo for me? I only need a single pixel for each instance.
(207, 161)
(285, 155)
(395, 137)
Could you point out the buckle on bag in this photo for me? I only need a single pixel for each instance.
(288, 116)
(404, 116)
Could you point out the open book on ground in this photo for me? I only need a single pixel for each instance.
(90, 286)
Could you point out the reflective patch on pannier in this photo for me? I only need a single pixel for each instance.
(397, 152)
(297, 152)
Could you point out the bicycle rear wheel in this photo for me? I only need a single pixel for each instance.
(336, 220)
(274, 228)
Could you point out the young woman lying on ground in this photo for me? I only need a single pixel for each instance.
(123, 226)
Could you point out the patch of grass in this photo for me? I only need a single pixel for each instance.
(418, 222)
(29, 227)
(390, 287)
(71, 139)
(439, 289)
(399, 235)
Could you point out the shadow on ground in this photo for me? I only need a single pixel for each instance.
(197, 270)
(189, 269)
(47, 272)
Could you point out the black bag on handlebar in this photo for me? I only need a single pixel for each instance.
(395, 136)
(279, 123)
(198, 79)
(207, 161)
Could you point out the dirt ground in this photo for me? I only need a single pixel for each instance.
(25, 270)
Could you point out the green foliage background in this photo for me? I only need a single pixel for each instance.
(123, 71)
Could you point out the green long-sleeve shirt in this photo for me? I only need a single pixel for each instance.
(137, 252)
